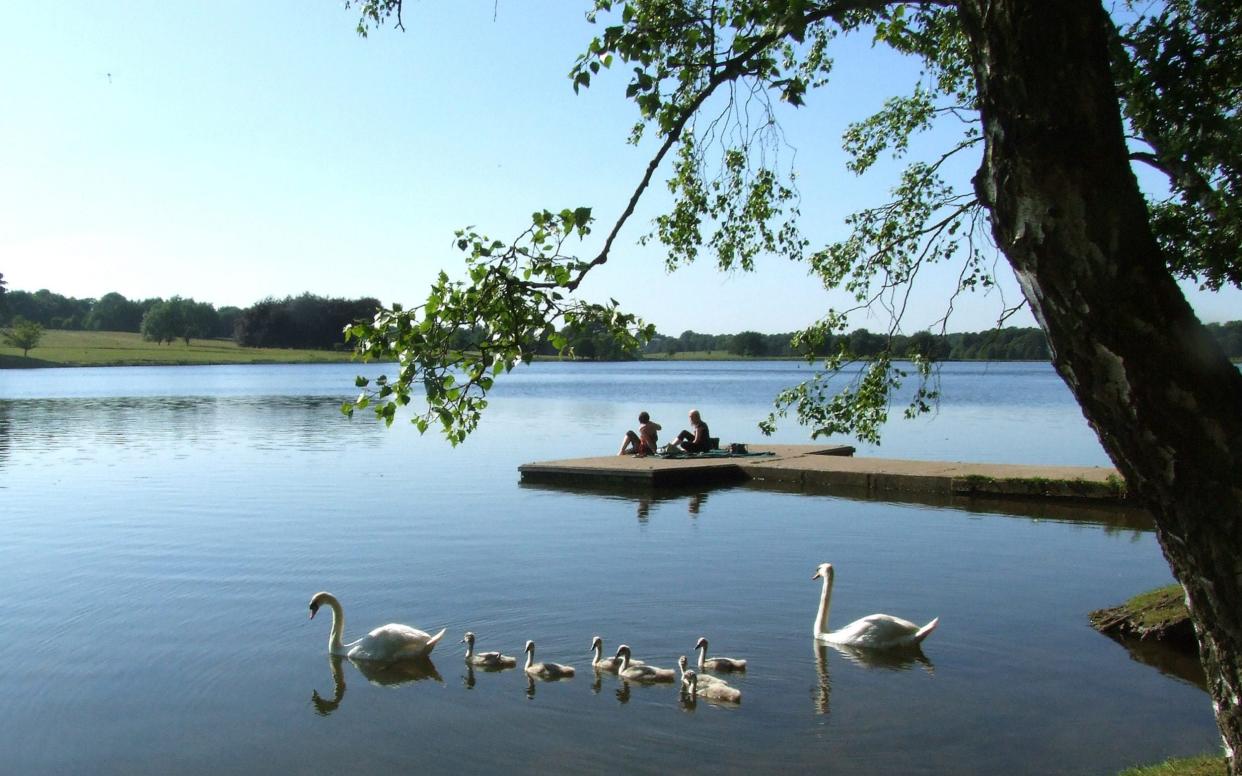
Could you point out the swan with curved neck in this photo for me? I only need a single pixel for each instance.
(716, 663)
(637, 673)
(545, 670)
(608, 664)
(486, 659)
(387, 642)
(875, 631)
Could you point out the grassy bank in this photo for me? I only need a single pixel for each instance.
(113, 348)
(1204, 765)
(1158, 614)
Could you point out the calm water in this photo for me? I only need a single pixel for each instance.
(162, 530)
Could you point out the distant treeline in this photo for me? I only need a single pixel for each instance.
(305, 321)
(310, 321)
(1011, 344)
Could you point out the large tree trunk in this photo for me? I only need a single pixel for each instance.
(1068, 214)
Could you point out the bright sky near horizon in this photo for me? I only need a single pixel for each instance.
(231, 151)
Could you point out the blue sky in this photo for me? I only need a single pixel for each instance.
(235, 150)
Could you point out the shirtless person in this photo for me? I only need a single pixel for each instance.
(644, 442)
(697, 440)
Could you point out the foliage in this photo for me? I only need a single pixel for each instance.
(305, 321)
(1229, 336)
(178, 318)
(708, 79)
(748, 343)
(591, 339)
(23, 334)
(52, 310)
(454, 344)
(733, 191)
(1005, 344)
(113, 312)
(1179, 70)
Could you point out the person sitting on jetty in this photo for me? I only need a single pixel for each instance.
(697, 441)
(644, 442)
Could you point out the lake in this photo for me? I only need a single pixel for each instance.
(163, 529)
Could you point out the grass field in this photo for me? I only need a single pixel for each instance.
(115, 348)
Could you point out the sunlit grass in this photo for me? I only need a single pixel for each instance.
(115, 348)
(1204, 765)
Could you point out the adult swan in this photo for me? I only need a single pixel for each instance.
(875, 631)
(386, 643)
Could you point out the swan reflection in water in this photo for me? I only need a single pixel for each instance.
(624, 692)
(468, 678)
(378, 674)
(901, 659)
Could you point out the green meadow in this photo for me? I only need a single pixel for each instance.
(117, 348)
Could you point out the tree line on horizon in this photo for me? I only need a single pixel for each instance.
(1008, 344)
(310, 321)
(306, 321)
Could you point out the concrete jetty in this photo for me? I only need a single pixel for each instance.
(834, 467)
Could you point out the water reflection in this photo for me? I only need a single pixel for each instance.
(644, 502)
(821, 694)
(399, 672)
(6, 430)
(644, 498)
(468, 679)
(902, 659)
(1112, 517)
(144, 423)
(101, 507)
(325, 707)
(532, 681)
(1169, 660)
(1115, 519)
(379, 674)
(898, 659)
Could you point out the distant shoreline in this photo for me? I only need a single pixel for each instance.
(62, 348)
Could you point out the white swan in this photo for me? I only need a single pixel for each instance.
(634, 672)
(721, 692)
(608, 664)
(545, 670)
(705, 679)
(875, 631)
(486, 659)
(717, 663)
(387, 642)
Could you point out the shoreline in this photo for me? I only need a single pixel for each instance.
(65, 349)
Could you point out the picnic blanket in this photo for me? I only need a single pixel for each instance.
(723, 453)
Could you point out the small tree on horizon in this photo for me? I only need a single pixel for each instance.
(23, 334)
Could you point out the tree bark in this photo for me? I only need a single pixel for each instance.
(1067, 212)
